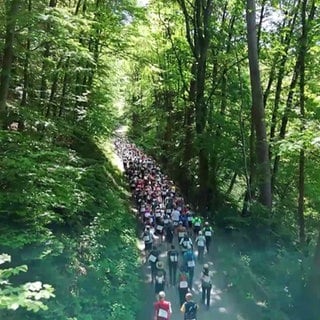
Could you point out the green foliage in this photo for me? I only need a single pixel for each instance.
(27, 295)
(66, 215)
(265, 282)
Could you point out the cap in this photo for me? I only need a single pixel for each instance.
(206, 223)
(200, 233)
(162, 294)
(159, 265)
(189, 295)
(205, 266)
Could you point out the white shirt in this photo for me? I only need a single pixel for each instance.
(175, 215)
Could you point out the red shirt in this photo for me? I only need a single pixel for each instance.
(162, 310)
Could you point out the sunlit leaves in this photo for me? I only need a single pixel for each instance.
(28, 295)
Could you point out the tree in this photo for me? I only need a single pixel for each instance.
(197, 20)
(263, 174)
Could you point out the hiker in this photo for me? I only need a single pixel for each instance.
(147, 237)
(173, 264)
(185, 243)
(153, 259)
(182, 285)
(169, 232)
(160, 277)
(184, 219)
(196, 222)
(206, 285)
(181, 231)
(175, 216)
(190, 263)
(160, 229)
(189, 213)
(189, 308)
(162, 308)
(200, 242)
(208, 233)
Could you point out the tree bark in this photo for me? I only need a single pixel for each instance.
(7, 60)
(258, 114)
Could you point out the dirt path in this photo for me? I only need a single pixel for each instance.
(221, 305)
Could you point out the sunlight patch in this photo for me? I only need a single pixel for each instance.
(262, 304)
(222, 310)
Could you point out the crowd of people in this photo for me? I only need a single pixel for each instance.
(169, 226)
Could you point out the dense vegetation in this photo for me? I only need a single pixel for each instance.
(242, 145)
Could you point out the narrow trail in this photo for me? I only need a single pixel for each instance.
(222, 306)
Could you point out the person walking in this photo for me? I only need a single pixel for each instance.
(208, 233)
(182, 285)
(206, 285)
(185, 243)
(189, 214)
(196, 222)
(169, 233)
(189, 308)
(162, 308)
(147, 237)
(189, 261)
(153, 259)
(181, 231)
(160, 278)
(173, 264)
(175, 217)
(200, 242)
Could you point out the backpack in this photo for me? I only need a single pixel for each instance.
(206, 280)
(190, 310)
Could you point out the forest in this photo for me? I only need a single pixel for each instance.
(223, 94)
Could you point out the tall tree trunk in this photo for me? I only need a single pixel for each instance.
(26, 63)
(7, 60)
(203, 13)
(258, 114)
(44, 68)
(302, 65)
(198, 37)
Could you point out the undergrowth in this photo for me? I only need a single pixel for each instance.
(64, 214)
